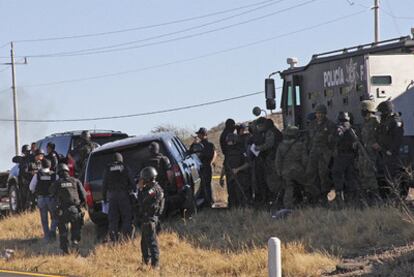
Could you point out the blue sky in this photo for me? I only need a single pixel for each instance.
(215, 77)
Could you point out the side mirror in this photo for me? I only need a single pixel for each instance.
(270, 94)
(17, 159)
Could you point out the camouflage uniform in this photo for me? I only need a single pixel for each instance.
(320, 154)
(366, 163)
(291, 159)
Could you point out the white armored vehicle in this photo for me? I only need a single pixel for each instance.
(343, 78)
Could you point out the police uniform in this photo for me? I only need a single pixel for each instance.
(162, 164)
(206, 157)
(320, 153)
(151, 204)
(343, 169)
(290, 163)
(54, 160)
(69, 195)
(117, 187)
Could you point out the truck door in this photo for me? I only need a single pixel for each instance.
(291, 101)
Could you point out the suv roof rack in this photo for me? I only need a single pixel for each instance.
(366, 47)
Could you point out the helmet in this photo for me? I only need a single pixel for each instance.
(202, 131)
(25, 148)
(385, 107)
(39, 152)
(368, 105)
(321, 108)
(148, 174)
(46, 163)
(291, 131)
(118, 157)
(86, 135)
(63, 168)
(257, 111)
(343, 117)
(154, 147)
(231, 139)
(261, 124)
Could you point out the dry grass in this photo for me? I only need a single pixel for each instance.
(216, 243)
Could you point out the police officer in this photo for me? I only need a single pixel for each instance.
(84, 148)
(367, 156)
(117, 188)
(290, 163)
(235, 167)
(70, 196)
(343, 170)
(390, 133)
(150, 204)
(39, 186)
(207, 156)
(52, 156)
(160, 162)
(269, 139)
(321, 131)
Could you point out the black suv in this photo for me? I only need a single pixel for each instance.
(185, 166)
(65, 143)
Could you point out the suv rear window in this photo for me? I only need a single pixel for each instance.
(100, 139)
(134, 156)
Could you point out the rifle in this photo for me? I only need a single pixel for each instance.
(362, 148)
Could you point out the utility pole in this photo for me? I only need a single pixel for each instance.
(15, 106)
(376, 20)
(15, 109)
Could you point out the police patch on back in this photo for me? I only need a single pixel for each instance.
(66, 185)
(46, 178)
(117, 167)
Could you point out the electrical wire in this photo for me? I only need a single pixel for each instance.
(171, 33)
(80, 53)
(194, 58)
(138, 114)
(145, 26)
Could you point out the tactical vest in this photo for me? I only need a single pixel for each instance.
(117, 177)
(67, 192)
(44, 181)
(156, 162)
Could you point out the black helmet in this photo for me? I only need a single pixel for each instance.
(46, 163)
(51, 145)
(148, 174)
(63, 168)
(118, 157)
(385, 107)
(154, 147)
(231, 139)
(343, 117)
(321, 108)
(39, 152)
(25, 148)
(86, 135)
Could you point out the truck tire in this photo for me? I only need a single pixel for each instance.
(15, 201)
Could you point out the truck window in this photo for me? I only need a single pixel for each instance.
(297, 91)
(384, 80)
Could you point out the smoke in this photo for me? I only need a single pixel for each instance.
(30, 107)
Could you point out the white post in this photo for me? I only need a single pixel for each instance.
(274, 258)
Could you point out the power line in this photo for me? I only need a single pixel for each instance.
(79, 52)
(197, 57)
(170, 33)
(138, 114)
(145, 26)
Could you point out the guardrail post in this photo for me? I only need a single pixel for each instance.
(274, 258)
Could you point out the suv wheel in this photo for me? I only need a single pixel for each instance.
(14, 200)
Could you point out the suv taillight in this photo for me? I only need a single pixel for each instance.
(89, 197)
(179, 179)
